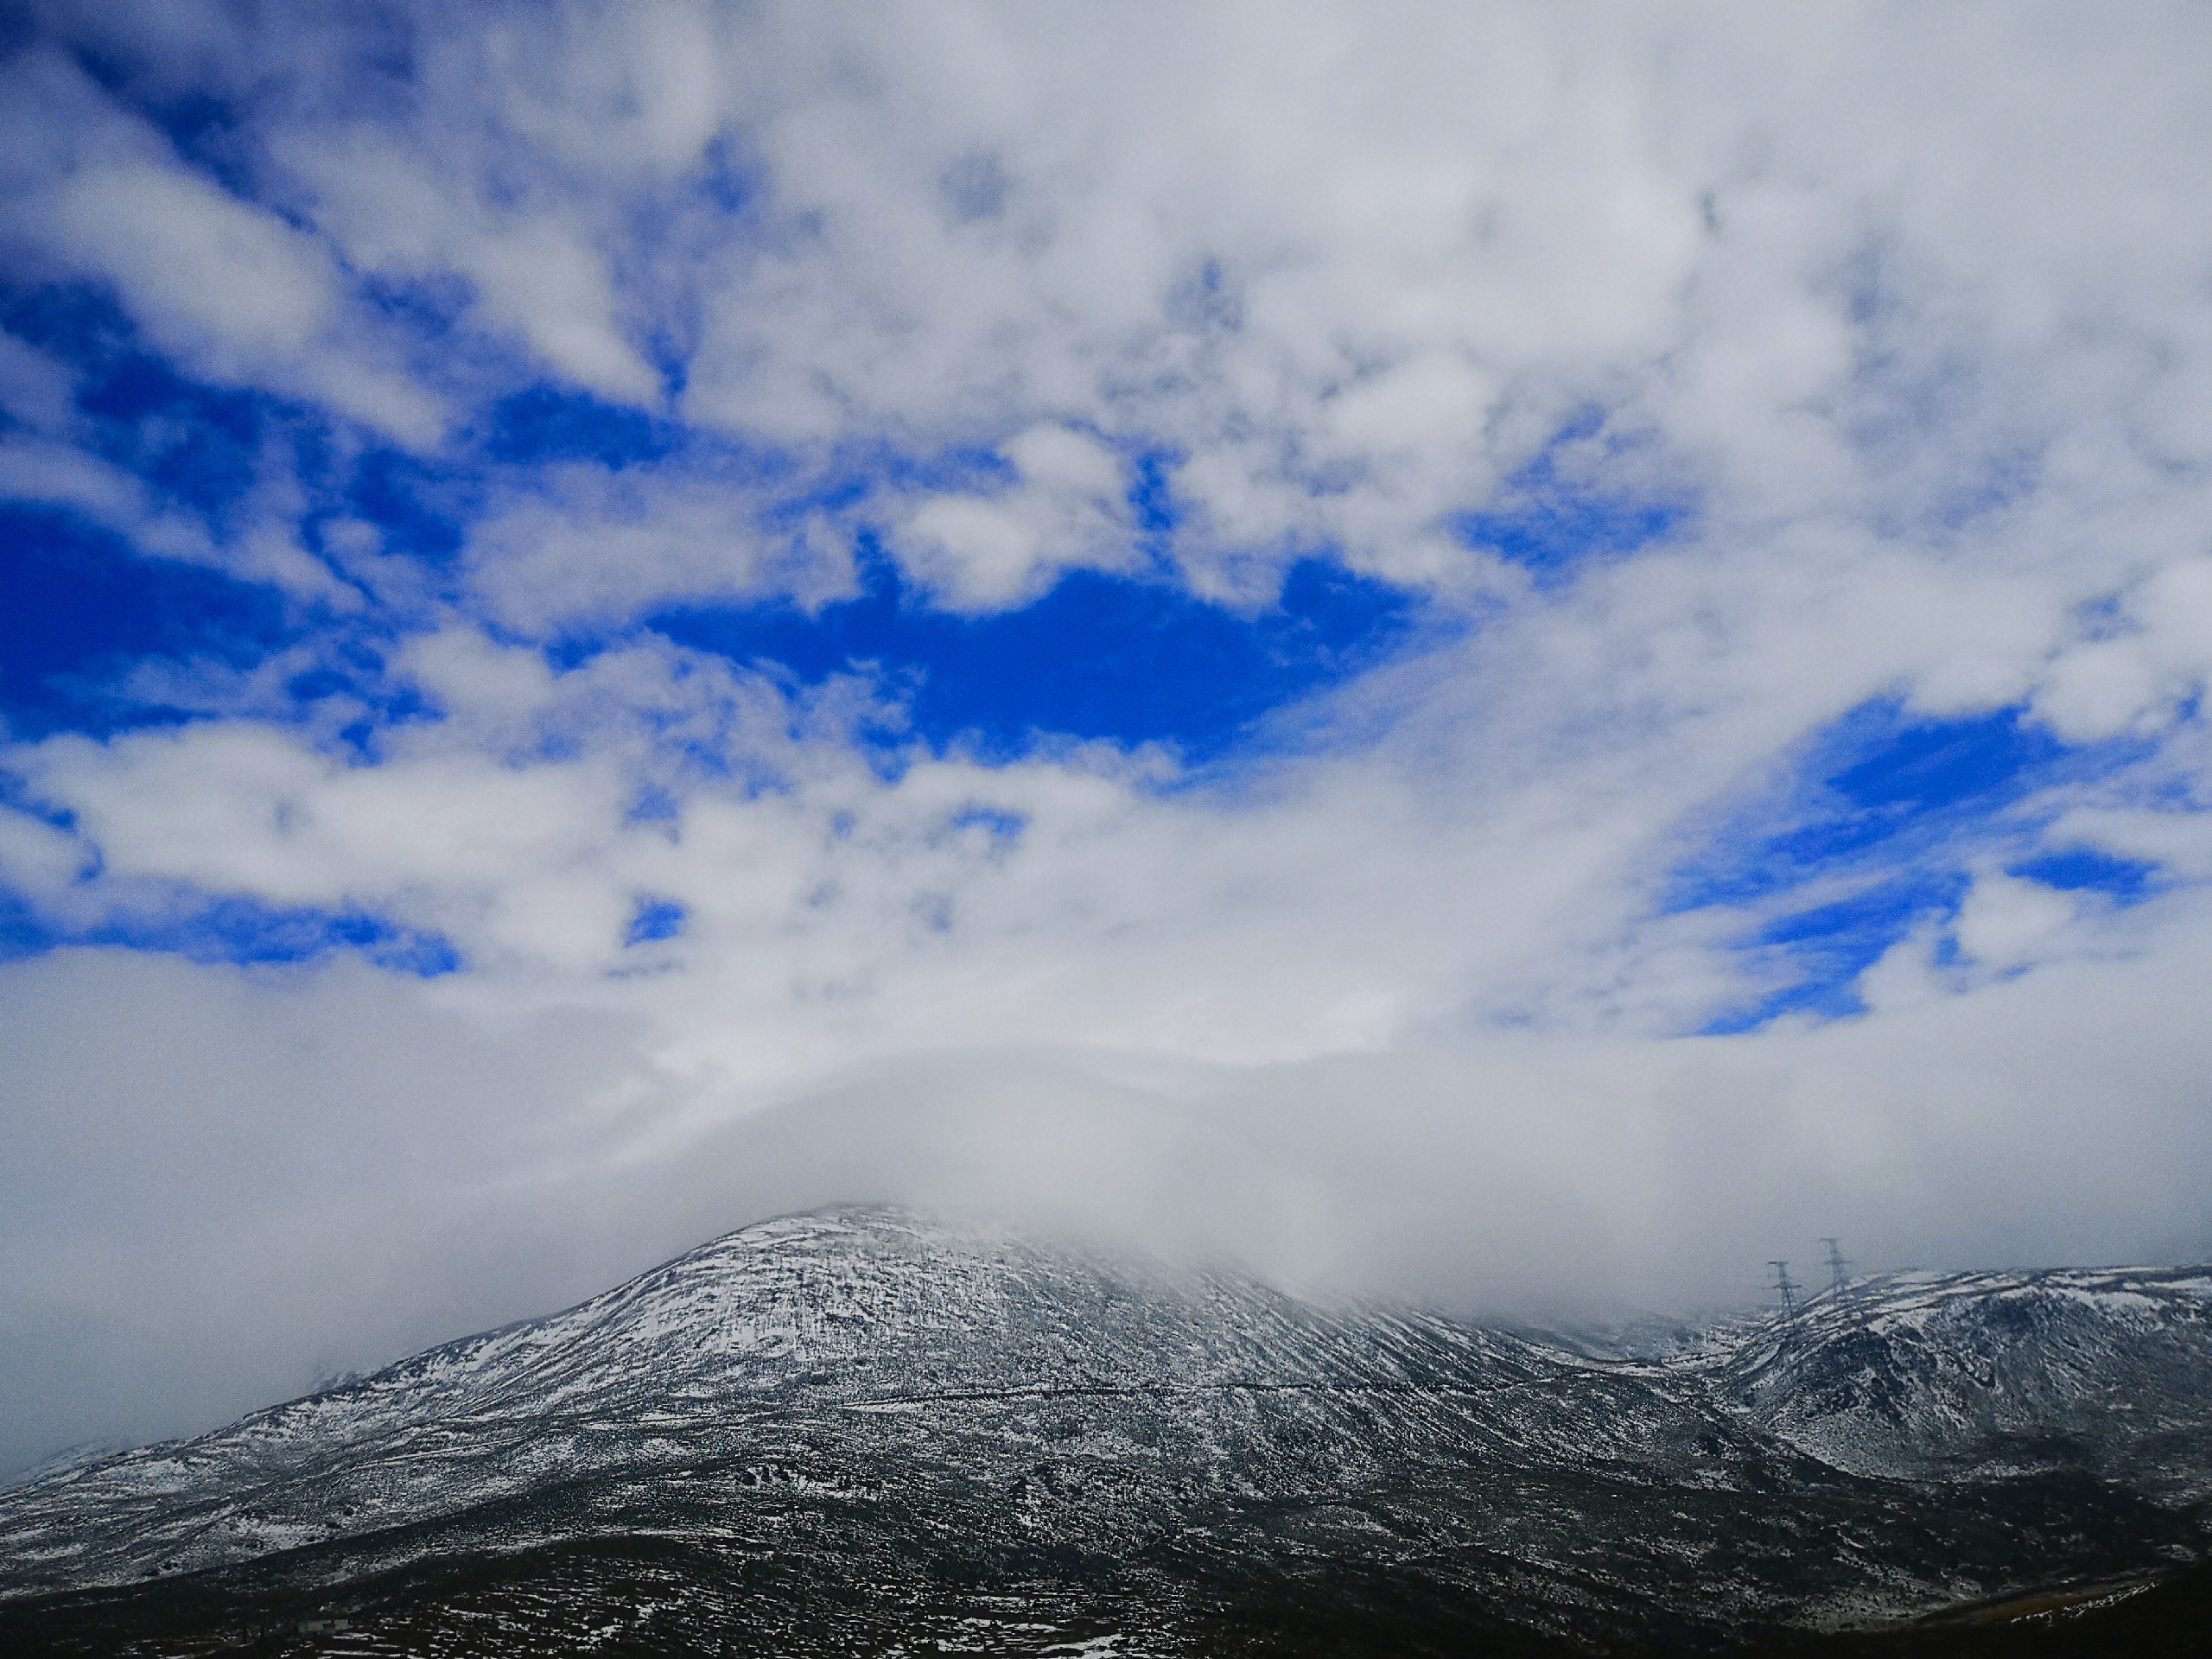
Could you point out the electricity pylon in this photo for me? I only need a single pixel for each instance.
(1838, 1278)
(1788, 1286)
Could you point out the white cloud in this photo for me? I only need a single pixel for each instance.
(61, 475)
(2177, 838)
(226, 285)
(535, 274)
(282, 1174)
(587, 547)
(201, 268)
(36, 856)
(506, 857)
(2006, 922)
(989, 552)
(1353, 282)
(1904, 976)
(222, 283)
(44, 473)
(2104, 686)
(35, 388)
(643, 86)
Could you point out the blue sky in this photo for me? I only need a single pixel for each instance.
(831, 538)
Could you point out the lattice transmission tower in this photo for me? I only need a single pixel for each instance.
(1839, 1268)
(1788, 1286)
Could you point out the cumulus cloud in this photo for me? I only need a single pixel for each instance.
(39, 856)
(1351, 290)
(2138, 673)
(201, 268)
(2004, 920)
(533, 274)
(222, 283)
(588, 547)
(2177, 838)
(1067, 509)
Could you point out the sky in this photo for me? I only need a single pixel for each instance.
(1520, 656)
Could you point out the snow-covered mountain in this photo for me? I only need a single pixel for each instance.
(863, 1422)
(1965, 1376)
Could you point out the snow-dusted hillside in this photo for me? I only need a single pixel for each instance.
(865, 1411)
(858, 1313)
(1966, 1375)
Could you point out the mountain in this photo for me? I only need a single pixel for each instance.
(860, 1431)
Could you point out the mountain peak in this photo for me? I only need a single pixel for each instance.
(864, 1383)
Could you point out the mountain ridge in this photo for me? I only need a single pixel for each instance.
(980, 1414)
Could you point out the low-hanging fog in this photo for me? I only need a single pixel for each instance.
(273, 1181)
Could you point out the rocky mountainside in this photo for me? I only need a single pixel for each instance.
(862, 1432)
(1970, 1375)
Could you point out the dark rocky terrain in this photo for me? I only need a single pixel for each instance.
(860, 1433)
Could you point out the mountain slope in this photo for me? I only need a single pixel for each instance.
(865, 1422)
(1967, 1374)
